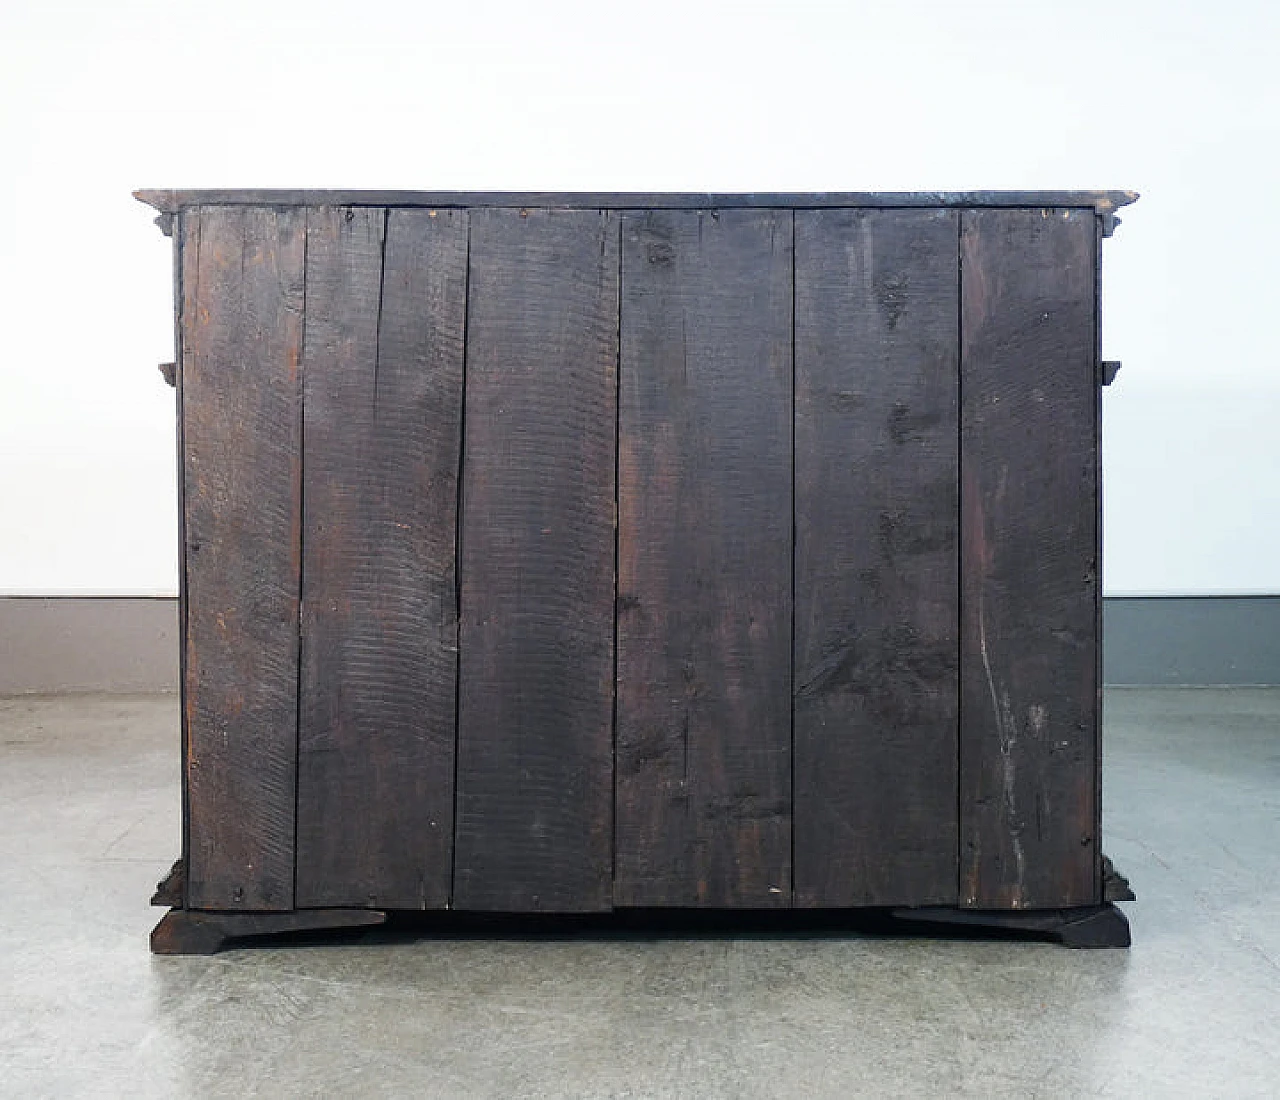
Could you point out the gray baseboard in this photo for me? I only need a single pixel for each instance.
(57, 644)
(1184, 640)
(130, 644)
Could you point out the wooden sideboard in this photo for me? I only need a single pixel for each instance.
(578, 552)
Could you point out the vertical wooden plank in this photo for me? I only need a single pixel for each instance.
(185, 228)
(535, 768)
(877, 557)
(382, 419)
(1028, 559)
(242, 308)
(704, 560)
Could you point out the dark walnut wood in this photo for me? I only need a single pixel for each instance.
(1029, 513)
(382, 413)
(567, 553)
(877, 564)
(242, 280)
(535, 714)
(704, 560)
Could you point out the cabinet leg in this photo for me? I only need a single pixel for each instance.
(1084, 926)
(202, 932)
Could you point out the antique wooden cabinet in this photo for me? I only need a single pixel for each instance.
(577, 552)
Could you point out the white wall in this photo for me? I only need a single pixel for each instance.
(1177, 100)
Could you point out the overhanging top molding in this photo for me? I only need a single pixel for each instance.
(1104, 203)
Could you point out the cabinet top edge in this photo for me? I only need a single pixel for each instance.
(174, 201)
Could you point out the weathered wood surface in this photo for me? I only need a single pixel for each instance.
(1102, 202)
(534, 800)
(1029, 705)
(704, 553)
(891, 785)
(242, 282)
(176, 232)
(876, 557)
(382, 407)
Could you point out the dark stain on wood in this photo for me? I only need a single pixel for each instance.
(876, 557)
(1028, 742)
(535, 745)
(704, 551)
(242, 282)
(382, 419)
(786, 504)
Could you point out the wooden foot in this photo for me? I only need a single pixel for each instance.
(1115, 887)
(1086, 926)
(200, 932)
(171, 889)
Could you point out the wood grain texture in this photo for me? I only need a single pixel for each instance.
(877, 557)
(382, 420)
(1102, 202)
(534, 801)
(182, 229)
(1028, 560)
(242, 279)
(704, 552)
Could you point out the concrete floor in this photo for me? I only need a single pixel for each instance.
(89, 820)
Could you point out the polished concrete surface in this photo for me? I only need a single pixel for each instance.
(89, 820)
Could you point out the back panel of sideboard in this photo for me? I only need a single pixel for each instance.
(569, 559)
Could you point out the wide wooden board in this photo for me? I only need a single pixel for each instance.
(1029, 684)
(242, 283)
(877, 557)
(704, 559)
(535, 766)
(382, 417)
